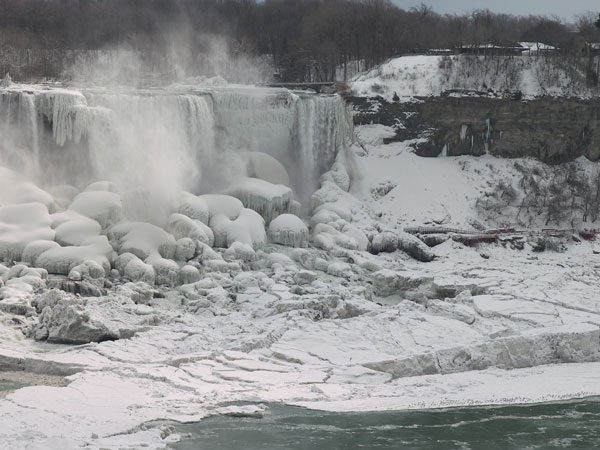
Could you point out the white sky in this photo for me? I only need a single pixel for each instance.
(566, 9)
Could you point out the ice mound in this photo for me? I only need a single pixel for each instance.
(267, 199)
(265, 167)
(34, 249)
(230, 221)
(77, 231)
(222, 205)
(248, 228)
(289, 230)
(61, 260)
(16, 189)
(102, 206)
(142, 239)
(21, 224)
(181, 226)
(194, 207)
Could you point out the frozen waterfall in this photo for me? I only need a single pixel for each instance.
(159, 142)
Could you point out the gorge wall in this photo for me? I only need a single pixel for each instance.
(553, 130)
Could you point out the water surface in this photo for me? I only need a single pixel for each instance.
(571, 425)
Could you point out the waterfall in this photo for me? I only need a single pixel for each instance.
(155, 143)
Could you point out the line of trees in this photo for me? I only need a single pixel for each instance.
(306, 39)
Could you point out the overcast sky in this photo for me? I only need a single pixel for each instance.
(566, 9)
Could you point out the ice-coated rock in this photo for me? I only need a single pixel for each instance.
(337, 175)
(205, 253)
(142, 239)
(248, 228)
(289, 230)
(166, 270)
(222, 205)
(20, 225)
(34, 249)
(61, 260)
(185, 249)
(265, 167)
(75, 232)
(102, 206)
(389, 282)
(182, 226)
(194, 207)
(189, 274)
(305, 277)
(340, 269)
(267, 199)
(386, 242)
(89, 269)
(240, 251)
(137, 270)
(68, 322)
(16, 189)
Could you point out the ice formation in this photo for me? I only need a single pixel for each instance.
(163, 230)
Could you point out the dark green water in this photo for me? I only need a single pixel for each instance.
(572, 425)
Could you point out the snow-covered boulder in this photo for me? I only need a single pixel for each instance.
(136, 270)
(75, 232)
(337, 175)
(194, 207)
(222, 205)
(142, 239)
(68, 322)
(185, 249)
(389, 282)
(248, 228)
(189, 274)
(267, 199)
(102, 206)
(386, 242)
(20, 225)
(16, 189)
(181, 226)
(34, 249)
(166, 270)
(61, 260)
(289, 230)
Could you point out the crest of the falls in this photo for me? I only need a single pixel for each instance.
(153, 144)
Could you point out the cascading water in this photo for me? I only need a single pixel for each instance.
(152, 144)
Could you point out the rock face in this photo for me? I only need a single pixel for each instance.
(551, 130)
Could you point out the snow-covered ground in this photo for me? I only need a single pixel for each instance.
(208, 309)
(425, 75)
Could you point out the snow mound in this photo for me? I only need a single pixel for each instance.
(182, 226)
(102, 206)
(21, 224)
(61, 260)
(289, 230)
(248, 228)
(75, 232)
(142, 239)
(194, 207)
(267, 199)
